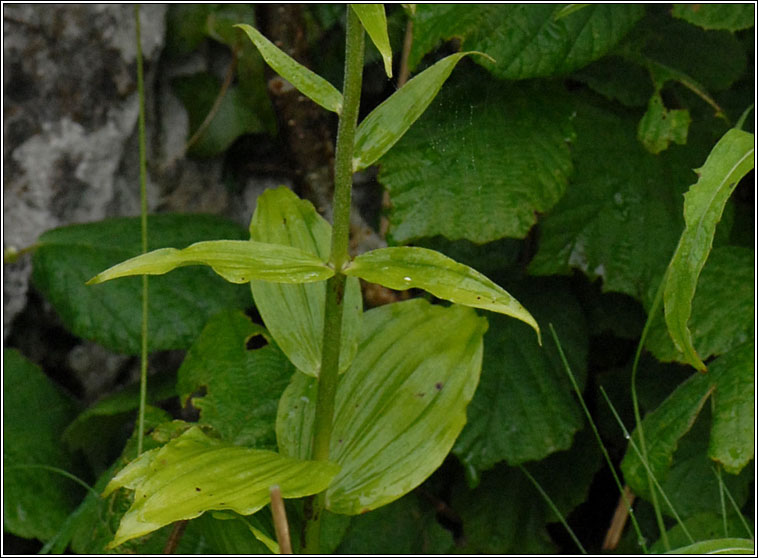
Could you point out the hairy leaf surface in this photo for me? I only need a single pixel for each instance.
(374, 21)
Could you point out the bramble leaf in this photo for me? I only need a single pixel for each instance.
(408, 267)
(387, 123)
(241, 387)
(728, 162)
(294, 314)
(484, 170)
(195, 473)
(399, 408)
(731, 17)
(237, 261)
(111, 314)
(307, 82)
(36, 500)
(526, 40)
(661, 126)
(374, 21)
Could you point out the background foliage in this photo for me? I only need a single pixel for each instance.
(559, 171)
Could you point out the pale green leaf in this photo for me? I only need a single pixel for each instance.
(307, 82)
(237, 261)
(399, 408)
(728, 162)
(195, 473)
(408, 267)
(718, 546)
(294, 314)
(731, 17)
(661, 126)
(732, 441)
(387, 123)
(723, 309)
(374, 21)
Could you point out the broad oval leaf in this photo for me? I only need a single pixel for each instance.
(718, 546)
(387, 123)
(374, 21)
(406, 267)
(399, 408)
(195, 473)
(294, 314)
(731, 158)
(237, 261)
(307, 82)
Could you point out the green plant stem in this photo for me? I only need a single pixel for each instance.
(143, 212)
(595, 431)
(657, 301)
(335, 287)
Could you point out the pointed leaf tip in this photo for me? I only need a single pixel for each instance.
(408, 267)
(307, 82)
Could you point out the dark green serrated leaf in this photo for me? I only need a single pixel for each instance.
(111, 314)
(98, 431)
(233, 118)
(524, 408)
(714, 59)
(661, 126)
(36, 501)
(722, 310)
(621, 216)
(663, 428)
(482, 170)
(506, 514)
(730, 159)
(526, 40)
(618, 79)
(732, 440)
(405, 526)
(693, 468)
(241, 387)
(731, 17)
